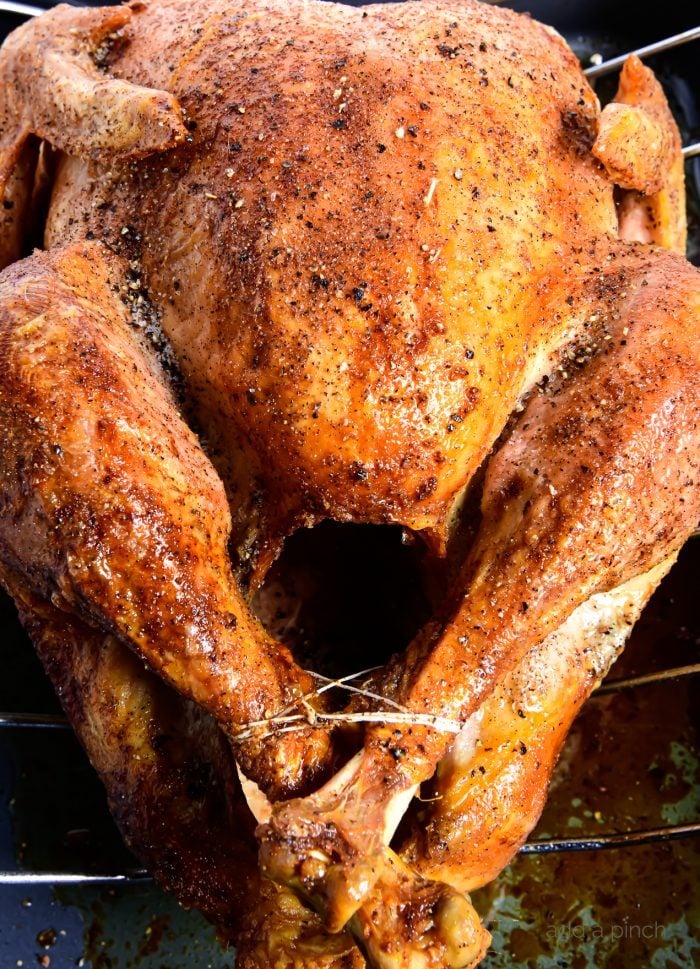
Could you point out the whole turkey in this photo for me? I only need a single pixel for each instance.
(381, 265)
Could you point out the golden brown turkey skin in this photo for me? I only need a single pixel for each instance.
(168, 771)
(329, 250)
(109, 505)
(645, 158)
(53, 89)
(490, 788)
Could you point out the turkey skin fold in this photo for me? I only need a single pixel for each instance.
(271, 264)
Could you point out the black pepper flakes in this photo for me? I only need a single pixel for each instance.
(427, 488)
(358, 472)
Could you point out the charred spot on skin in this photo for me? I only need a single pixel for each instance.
(514, 487)
(454, 419)
(449, 51)
(472, 397)
(161, 740)
(358, 472)
(427, 488)
(578, 131)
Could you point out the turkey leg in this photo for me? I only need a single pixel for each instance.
(490, 788)
(109, 505)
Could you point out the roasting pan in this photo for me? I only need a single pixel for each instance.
(71, 894)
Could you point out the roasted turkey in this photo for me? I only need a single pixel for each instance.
(300, 262)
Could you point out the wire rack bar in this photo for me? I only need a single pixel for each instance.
(648, 679)
(23, 9)
(624, 839)
(689, 152)
(543, 846)
(607, 67)
(70, 878)
(54, 721)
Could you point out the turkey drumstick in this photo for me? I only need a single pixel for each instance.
(108, 504)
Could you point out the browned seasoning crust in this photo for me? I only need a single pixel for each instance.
(312, 249)
(111, 507)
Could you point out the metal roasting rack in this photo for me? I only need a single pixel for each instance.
(625, 839)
